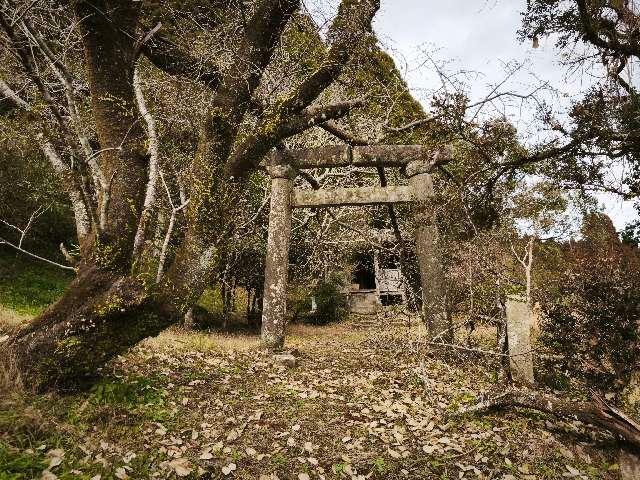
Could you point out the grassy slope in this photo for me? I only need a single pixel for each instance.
(28, 286)
(361, 400)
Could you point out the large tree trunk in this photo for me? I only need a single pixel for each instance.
(100, 316)
(109, 44)
(105, 310)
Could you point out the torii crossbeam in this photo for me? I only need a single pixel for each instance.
(284, 166)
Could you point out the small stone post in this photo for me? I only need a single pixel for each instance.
(274, 307)
(519, 340)
(427, 238)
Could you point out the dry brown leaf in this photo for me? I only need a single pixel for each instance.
(181, 466)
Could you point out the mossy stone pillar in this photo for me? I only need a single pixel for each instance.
(274, 307)
(519, 339)
(427, 249)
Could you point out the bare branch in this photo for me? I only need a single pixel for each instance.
(81, 205)
(23, 234)
(37, 257)
(150, 195)
(167, 238)
(66, 79)
(598, 412)
(12, 96)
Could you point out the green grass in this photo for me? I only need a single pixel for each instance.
(17, 465)
(29, 286)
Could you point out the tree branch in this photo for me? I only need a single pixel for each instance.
(346, 137)
(13, 97)
(66, 79)
(317, 115)
(591, 33)
(33, 255)
(172, 60)
(265, 136)
(348, 32)
(598, 412)
(152, 182)
(23, 233)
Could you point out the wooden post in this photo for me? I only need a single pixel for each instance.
(274, 307)
(519, 340)
(427, 238)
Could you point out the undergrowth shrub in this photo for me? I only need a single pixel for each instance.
(331, 302)
(592, 308)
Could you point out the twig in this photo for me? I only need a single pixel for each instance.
(38, 257)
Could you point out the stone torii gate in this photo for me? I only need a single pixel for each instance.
(284, 166)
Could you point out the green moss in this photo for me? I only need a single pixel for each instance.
(68, 347)
(106, 255)
(112, 305)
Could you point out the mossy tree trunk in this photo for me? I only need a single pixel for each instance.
(109, 307)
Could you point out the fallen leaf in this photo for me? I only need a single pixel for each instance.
(228, 469)
(574, 472)
(181, 466)
(121, 473)
(57, 452)
(206, 455)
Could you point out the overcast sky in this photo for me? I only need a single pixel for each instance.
(478, 35)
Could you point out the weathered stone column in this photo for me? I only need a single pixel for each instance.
(427, 238)
(274, 306)
(519, 340)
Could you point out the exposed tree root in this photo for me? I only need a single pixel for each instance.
(597, 412)
(101, 315)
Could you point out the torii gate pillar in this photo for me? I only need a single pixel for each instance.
(427, 250)
(274, 307)
(418, 162)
